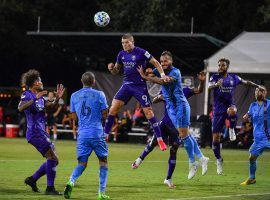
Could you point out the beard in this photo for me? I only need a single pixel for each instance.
(260, 98)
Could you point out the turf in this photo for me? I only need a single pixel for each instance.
(18, 159)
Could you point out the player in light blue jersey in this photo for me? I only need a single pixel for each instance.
(259, 113)
(223, 85)
(177, 105)
(89, 107)
(133, 85)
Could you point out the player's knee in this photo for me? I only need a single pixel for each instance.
(252, 158)
(232, 110)
(83, 164)
(148, 112)
(103, 161)
(174, 148)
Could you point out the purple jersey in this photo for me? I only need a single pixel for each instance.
(35, 115)
(223, 96)
(188, 92)
(130, 62)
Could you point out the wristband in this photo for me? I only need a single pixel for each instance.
(162, 75)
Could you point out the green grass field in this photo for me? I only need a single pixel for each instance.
(18, 160)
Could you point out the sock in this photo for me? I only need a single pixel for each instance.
(216, 149)
(77, 172)
(197, 150)
(51, 172)
(233, 120)
(40, 172)
(103, 176)
(252, 169)
(153, 121)
(146, 151)
(171, 166)
(54, 136)
(108, 124)
(189, 146)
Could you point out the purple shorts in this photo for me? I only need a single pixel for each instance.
(42, 143)
(219, 122)
(131, 90)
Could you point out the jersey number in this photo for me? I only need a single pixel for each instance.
(85, 111)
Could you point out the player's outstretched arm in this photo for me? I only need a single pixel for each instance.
(201, 77)
(114, 68)
(25, 104)
(59, 93)
(154, 79)
(157, 65)
(252, 84)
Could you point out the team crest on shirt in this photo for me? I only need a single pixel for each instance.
(231, 82)
(133, 57)
(123, 58)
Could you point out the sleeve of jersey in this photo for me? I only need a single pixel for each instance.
(155, 71)
(250, 111)
(103, 101)
(25, 97)
(238, 79)
(212, 80)
(119, 58)
(72, 106)
(146, 55)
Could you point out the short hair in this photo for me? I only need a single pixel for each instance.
(166, 53)
(227, 61)
(88, 79)
(28, 78)
(128, 36)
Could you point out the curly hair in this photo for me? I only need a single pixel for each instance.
(227, 61)
(28, 78)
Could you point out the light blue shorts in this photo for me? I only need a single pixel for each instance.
(179, 115)
(257, 148)
(85, 146)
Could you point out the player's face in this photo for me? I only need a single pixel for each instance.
(165, 61)
(128, 44)
(50, 96)
(38, 84)
(260, 94)
(222, 67)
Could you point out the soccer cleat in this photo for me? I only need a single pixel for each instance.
(169, 183)
(32, 183)
(68, 190)
(103, 196)
(248, 182)
(162, 145)
(219, 166)
(232, 134)
(136, 163)
(193, 167)
(50, 190)
(204, 163)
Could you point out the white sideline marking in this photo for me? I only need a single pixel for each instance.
(223, 196)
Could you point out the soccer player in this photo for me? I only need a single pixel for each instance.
(177, 105)
(169, 132)
(224, 85)
(33, 104)
(259, 113)
(89, 107)
(133, 85)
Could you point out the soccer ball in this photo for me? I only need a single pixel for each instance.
(102, 19)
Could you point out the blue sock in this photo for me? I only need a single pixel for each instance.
(189, 146)
(197, 150)
(103, 176)
(252, 169)
(77, 172)
(155, 125)
(233, 120)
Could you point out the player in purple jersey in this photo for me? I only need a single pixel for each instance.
(170, 135)
(133, 85)
(224, 84)
(33, 104)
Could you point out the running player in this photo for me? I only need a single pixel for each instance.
(89, 107)
(133, 85)
(177, 105)
(33, 104)
(224, 85)
(169, 132)
(259, 113)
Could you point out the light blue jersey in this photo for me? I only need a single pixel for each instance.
(256, 113)
(88, 104)
(177, 105)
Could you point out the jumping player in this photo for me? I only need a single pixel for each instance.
(133, 85)
(33, 104)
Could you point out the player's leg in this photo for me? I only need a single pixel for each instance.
(84, 150)
(101, 149)
(149, 147)
(54, 131)
(218, 124)
(232, 116)
(120, 99)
